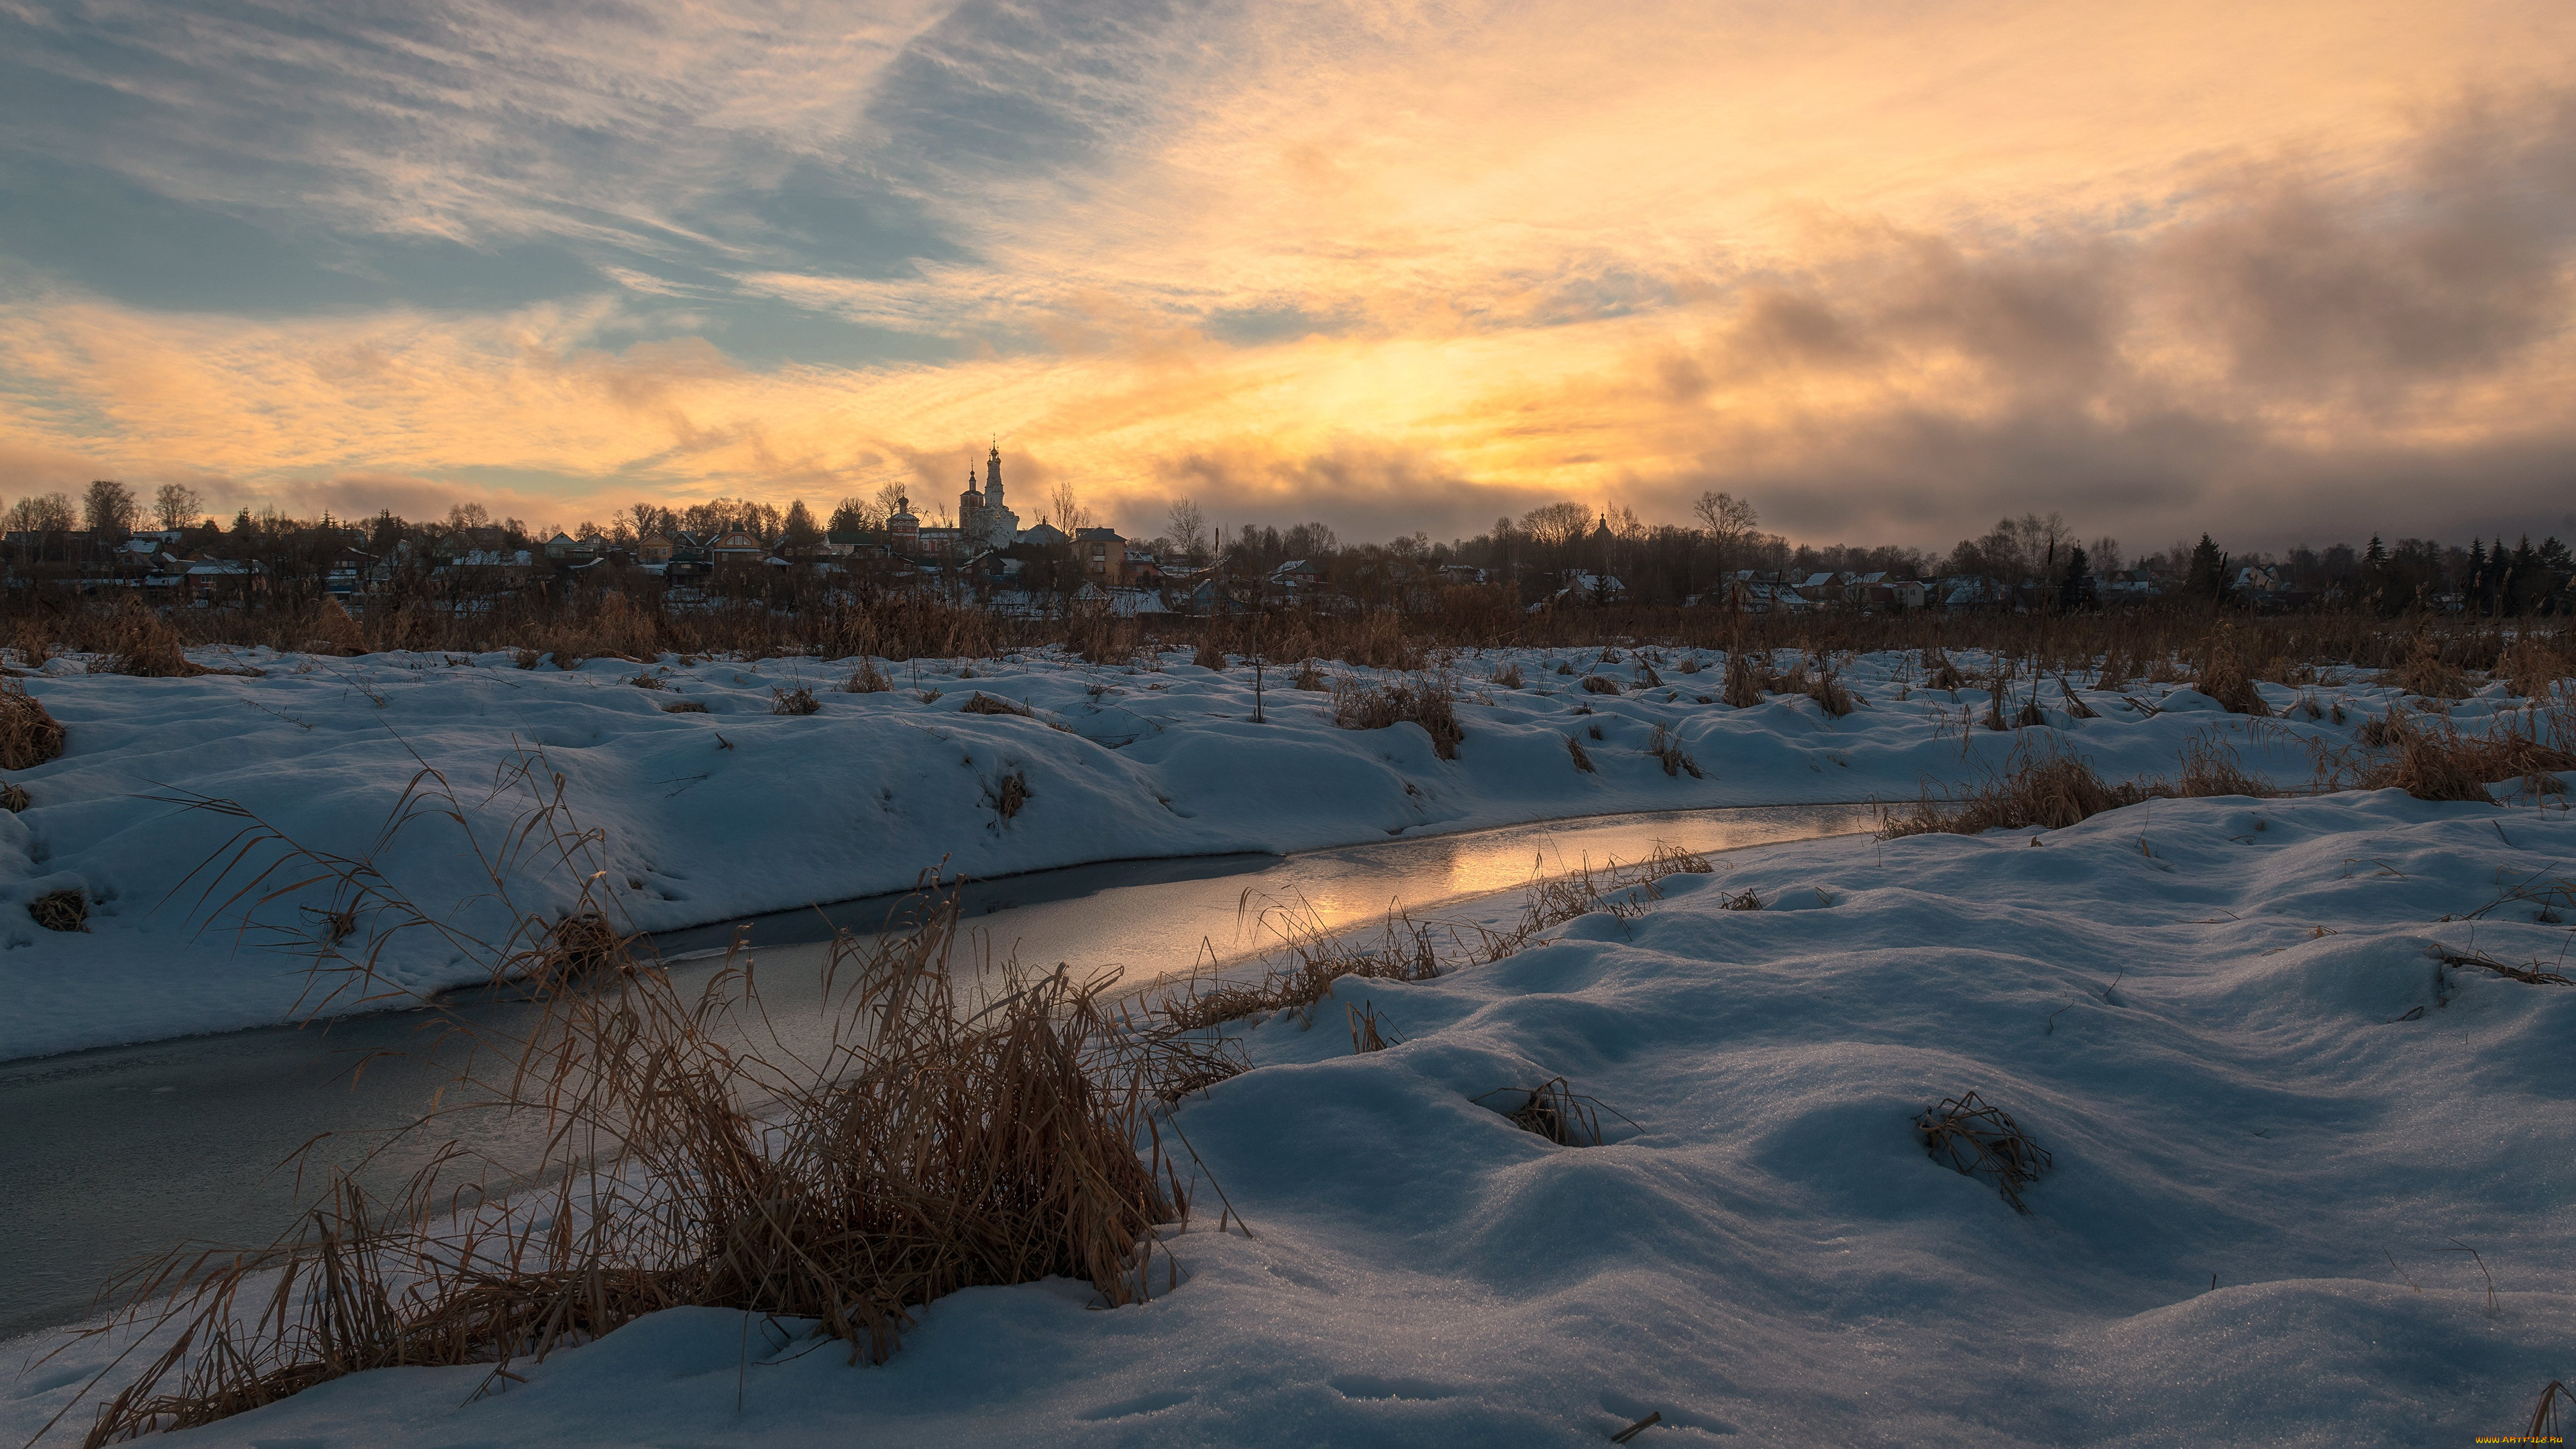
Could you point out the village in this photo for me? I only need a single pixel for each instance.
(1558, 557)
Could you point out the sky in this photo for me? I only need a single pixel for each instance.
(2282, 272)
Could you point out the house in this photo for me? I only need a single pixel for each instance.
(1045, 535)
(345, 575)
(735, 547)
(1586, 588)
(217, 579)
(653, 548)
(1297, 575)
(1102, 554)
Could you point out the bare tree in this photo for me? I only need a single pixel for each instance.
(1070, 515)
(177, 505)
(109, 506)
(1730, 523)
(1188, 528)
(891, 498)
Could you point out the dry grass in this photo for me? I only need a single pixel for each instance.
(1309, 677)
(2210, 766)
(1582, 761)
(920, 1144)
(1430, 703)
(867, 679)
(29, 736)
(685, 706)
(2223, 676)
(14, 798)
(335, 631)
(1009, 794)
(2532, 668)
(1600, 684)
(795, 700)
(1509, 676)
(1745, 683)
(2045, 788)
(1208, 655)
(983, 703)
(2424, 673)
(1552, 1110)
(63, 910)
(2435, 762)
(1307, 955)
(1826, 689)
(1981, 1140)
(648, 681)
(1666, 747)
(140, 642)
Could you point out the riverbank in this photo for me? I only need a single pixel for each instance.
(2280, 1099)
(709, 805)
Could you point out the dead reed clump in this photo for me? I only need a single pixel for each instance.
(1600, 684)
(1940, 673)
(1553, 1110)
(1826, 689)
(1368, 1034)
(335, 632)
(685, 706)
(2545, 1425)
(647, 681)
(2075, 705)
(1582, 761)
(1980, 1140)
(2426, 675)
(1691, 665)
(867, 679)
(29, 736)
(2223, 677)
(1666, 747)
(1509, 676)
(1208, 655)
(14, 798)
(984, 703)
(2532, 669)
(2381, 732)
(1309, 678)
(63, 910)
(2046, 788)
(1647, 678)
(1432, 704)
(1744, 682)
(1008, 794)
(2435, 764)
(2210, 766)
(798, 700)
(140, 642)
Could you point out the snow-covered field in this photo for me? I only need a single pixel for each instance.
(2278, 1122)
(709, 816)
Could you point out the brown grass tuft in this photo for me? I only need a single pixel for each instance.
(1582, 761)
(1666, 747)
(14, 798)
(1981, 1140)
(29, 736)
(1431, 704)
(867, 679)
(2425, 674)
(2223, 677)
(798, 700)
(1826, 689)
(984, 703)
(1552, 1110)
(1744, 681)
(685, 706)
(2046, 788)
(1600, 684)
(1208, 655)
(1509, 676)
(140, 642)
(63, 910)
(1310, 678)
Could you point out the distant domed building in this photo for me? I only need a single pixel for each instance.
(982, 518)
